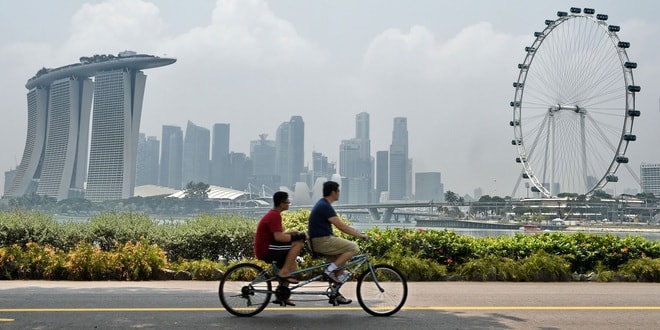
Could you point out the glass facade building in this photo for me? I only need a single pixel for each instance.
(399, 160)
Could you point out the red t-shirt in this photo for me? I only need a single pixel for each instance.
(268, 225)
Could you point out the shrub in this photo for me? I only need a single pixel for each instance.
(87, 262)
(411, 263)
(21, 227)
(210, 237)
(643, 269)
(138, 261)
(490, 268)
(201, 269)
(544, 267)
(107, 230)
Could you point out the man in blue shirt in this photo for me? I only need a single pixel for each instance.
(319, 229)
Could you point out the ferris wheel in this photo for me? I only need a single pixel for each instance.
(574, 105)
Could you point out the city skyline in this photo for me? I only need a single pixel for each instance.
(449, 74)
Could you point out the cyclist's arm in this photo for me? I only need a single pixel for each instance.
(346, 228)
(286, 237)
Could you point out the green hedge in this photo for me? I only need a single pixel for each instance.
(133, 246)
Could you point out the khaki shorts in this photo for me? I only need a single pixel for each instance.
(333, 245)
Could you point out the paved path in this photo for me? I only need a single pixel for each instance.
(430, 305)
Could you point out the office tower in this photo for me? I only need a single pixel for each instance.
(220, 175)
(321, 168)
(649, 175)
(282, 153)
(399, 160)
(171, 157)
(59, 100)
(428, 186)
(355, 163)
(409, 179)
(9, 178)
(240, 167)
(290, 151)
(146, 169)
(296, 149)
(262, 155)
(478, 192)
(196, 160)
(382, 173)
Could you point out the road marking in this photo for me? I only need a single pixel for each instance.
(6, 320)
(415, 308)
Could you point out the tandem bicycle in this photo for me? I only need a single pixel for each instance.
(246, 289)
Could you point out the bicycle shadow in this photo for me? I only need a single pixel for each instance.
(357, 319)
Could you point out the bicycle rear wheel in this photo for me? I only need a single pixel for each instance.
(244, 290)
(383, 292)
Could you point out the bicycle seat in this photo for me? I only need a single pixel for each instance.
(312, 252)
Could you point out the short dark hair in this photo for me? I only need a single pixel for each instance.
(329, 187)
(279, 198)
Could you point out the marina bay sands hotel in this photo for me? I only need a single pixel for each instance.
(55, 158)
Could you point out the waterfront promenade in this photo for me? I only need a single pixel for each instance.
(430, 305)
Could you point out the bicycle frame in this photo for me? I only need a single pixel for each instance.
(246, 288)
(353, 265)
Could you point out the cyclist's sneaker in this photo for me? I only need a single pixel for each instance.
(340, 300)
(337, 279)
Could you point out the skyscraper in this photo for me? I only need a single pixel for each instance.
(321, 168)
(355, 163)
(290, 151)
(262, 155)
(283, 153)
(296, 149)
(382, 173)
(399, 160)
(55, 160)
(196, 160)
(220, 174)
(649, 175)
(171, 157)
(240, 167)
(146, 169)
(65, 156)
(428, 186)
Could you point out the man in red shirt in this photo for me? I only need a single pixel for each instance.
(271, 243)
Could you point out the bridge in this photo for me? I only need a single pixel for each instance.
(385, 212)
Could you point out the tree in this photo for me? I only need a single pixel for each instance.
(451, 197)
(199, 190)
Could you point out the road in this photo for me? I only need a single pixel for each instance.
(430, 305)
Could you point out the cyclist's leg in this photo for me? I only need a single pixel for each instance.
(290, 264)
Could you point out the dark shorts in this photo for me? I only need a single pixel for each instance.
(277, 252)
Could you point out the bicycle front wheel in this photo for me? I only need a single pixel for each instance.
(245, 290)
(382, 292)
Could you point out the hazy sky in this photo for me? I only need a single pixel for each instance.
(448, 66)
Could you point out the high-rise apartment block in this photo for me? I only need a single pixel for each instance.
(649, 175)
(55, 161)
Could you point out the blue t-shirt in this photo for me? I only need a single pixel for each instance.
(318, 224)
